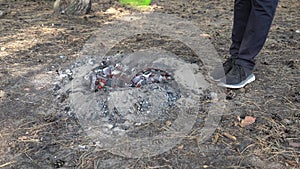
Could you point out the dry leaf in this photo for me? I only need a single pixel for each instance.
(215, 139)
(204, 35)
(247, 121)
(27, 89)
(180, 147)
(22, 138)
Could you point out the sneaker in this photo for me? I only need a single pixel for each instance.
(238, 77)
(219, 72)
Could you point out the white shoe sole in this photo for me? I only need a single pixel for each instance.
(216, 80)
(242, 84)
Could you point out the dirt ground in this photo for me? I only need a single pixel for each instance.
(36, 132)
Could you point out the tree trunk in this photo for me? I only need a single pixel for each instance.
(72, 7)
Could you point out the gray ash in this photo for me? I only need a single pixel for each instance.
(153, 90)
(151, 102)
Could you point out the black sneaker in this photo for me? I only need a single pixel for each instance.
(237, 77)
(219, 72)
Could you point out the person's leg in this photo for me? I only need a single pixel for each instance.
(255, 35)
(259, 22)
(242, 10)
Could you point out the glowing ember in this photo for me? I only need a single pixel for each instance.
(113, 76)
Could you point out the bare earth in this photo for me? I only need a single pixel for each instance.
(36, 132)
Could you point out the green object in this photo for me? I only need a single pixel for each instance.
(136, 2)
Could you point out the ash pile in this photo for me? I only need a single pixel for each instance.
(126, 97)
(130, 101)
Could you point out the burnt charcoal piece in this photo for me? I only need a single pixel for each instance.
(149, 76)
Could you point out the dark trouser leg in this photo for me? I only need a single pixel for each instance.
(242, 10)
(259, 22)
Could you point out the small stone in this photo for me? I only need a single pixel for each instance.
(2, 94)
(61, 56)
(242, 90)
(180, 147)
(68, 71)
(287, 121)
(168, 123)
(110, 126)
(56, 87)
(214, 96)
(82, 146)
(92, 61)
(297, 31)
(118, 66)
(2, 13)
(27, 89)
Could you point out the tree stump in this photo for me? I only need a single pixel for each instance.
(72, 7)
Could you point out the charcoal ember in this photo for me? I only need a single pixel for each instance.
(104, 112)
(59, 163)
(113, 76)
(115, 117)
(103, 64)
(124, 127)
(149, 76)
(67, 109)
(156, 78)
(169, 77)
(56, 87)
(118, 66)
(101, 80)
(100, 86)
(69, 72)
(97, 70)
(109, 82)
(140, 83)
(107, 71)
(172, 97)
(145, 104)
(142, 105)
(137, 79)
(137, 107)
